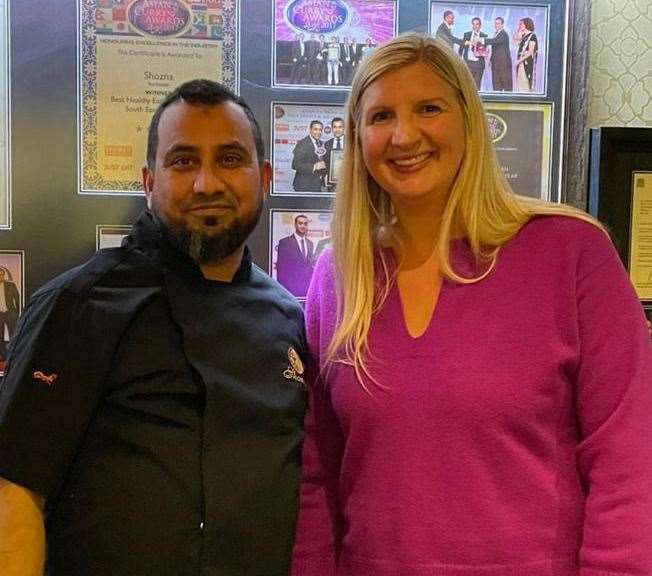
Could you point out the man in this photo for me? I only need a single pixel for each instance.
(473, 50)
(335, 143)
(294, 260)
(308, 160)
(132, 417)
(319, 64)
(445, 30)
(299, 61)
(313, 60)
(9, 309)
(333, 53)
(349, 60)
(500, 58)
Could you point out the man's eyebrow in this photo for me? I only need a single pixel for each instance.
(177, 148)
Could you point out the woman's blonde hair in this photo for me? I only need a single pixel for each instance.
(481, 206)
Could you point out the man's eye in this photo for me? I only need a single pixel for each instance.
(231, 159)
(182, 161)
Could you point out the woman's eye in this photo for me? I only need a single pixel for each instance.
(431, 109)
(380, 116)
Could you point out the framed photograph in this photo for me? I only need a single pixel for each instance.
(303, 139)
(12, 297)
(110, 236)
(5, 114)
(297, 239)
(132, 53)
(620, 163)
(320, 42)
(522, 137)
(504, 45)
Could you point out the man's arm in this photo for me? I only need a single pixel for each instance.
(22, 533)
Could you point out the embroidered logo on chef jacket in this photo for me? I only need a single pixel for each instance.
(295, 370)
(45, 378)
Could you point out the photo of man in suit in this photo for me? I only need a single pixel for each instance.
(473, 50)
(294, 260)
(308, 160)
(349, 59)
(500, 58)
(299, 67)
(335, 143)
(445, 30)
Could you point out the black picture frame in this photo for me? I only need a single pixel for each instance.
(614, 154)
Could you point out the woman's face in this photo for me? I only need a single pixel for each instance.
(412, 135)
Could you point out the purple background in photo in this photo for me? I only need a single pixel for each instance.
(373, 18)
(487, 12)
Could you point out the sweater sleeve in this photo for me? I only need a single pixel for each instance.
(319, 522)
(614, 405)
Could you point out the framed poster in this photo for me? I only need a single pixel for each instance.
(5, 111)
(620, 162)
(304, 137)
(110, 236)
(297, 239)
(522, 136)
(504, 45)
(320, 42)
(12, 299)
(132, 53)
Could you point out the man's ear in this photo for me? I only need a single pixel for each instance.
(148, 185)
(266, 173)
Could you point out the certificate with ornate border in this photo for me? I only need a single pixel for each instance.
(5, 141)
(12, 282)
(522, 136)
(132, 53)
(640, 235)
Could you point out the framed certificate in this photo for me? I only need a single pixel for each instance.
(620, 196)
(522, 136)
(108, 236)
(132, 53)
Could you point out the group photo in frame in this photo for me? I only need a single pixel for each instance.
(521, 133)
(320, 42)
(504, 45)
(132, 53)
(12, 297)
(307, 143)
(297, 239)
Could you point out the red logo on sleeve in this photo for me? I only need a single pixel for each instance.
(45, 378)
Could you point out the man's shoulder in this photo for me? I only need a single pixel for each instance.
(113, 267)
(276, 292)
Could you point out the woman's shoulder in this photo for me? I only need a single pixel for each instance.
(557, 237)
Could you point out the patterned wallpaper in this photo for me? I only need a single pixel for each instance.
(620, 72)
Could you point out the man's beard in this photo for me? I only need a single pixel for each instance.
(212, 246)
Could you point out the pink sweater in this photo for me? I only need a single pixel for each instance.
(514, 437)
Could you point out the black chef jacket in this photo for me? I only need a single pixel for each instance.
(160, 415)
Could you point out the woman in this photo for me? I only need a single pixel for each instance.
(526, 55)
(483, 400)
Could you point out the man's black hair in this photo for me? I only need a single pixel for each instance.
(337, 119)
(201, 92)
(315, 122)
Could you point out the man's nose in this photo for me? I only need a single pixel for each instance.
(208, 180)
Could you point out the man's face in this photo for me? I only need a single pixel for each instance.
(449, 19)
(338, 128)
(475, 24)
(498, 25)
(207, 185)
(301, 226)
(316, 130)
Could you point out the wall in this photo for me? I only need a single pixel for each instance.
(620, 72)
